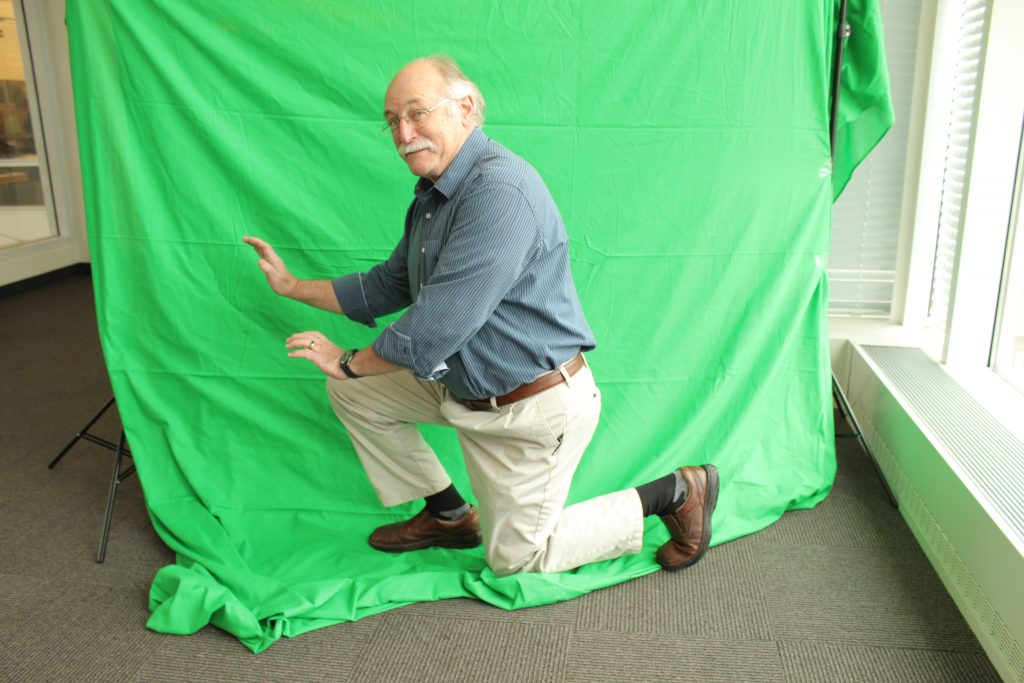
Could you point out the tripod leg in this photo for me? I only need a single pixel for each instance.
(114, 481)
(83, 430)
(844, 408)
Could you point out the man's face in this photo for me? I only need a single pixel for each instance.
(428, 146)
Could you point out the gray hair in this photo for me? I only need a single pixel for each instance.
(459, 86)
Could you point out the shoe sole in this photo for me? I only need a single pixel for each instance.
(457, 543)
(709, 507)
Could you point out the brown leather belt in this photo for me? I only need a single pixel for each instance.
(538, 385)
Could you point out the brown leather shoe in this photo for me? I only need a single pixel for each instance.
(424, 531)
(690, 524)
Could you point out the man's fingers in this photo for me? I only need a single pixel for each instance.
(308, 334)
(268, 254)
(302, 339)
(298, 339)
(262, 248)
(271, 255)
(256, 243)
(324, 353)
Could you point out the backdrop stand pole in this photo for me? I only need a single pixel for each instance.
(116, 479)
(847, 413)
(842, 33)
(120, 450)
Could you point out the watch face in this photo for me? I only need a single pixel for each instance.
(345, 358)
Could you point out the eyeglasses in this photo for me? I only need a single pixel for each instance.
(416, 118)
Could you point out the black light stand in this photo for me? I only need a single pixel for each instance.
(120, 450)
(842, 33)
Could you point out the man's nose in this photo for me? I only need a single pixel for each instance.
(406, 131)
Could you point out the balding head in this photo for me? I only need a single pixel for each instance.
(458, 85)
(428, 134)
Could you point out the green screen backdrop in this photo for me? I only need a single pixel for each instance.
(686, 144)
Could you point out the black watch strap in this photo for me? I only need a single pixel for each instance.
(346, 358)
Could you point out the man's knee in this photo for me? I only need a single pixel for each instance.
(340, 394)
(506, 560)
(334, 386)
(503, 567)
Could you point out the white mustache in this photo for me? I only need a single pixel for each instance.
(415, 146)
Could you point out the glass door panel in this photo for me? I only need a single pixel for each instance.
(23, 184)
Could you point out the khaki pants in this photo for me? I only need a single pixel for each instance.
(520, 459)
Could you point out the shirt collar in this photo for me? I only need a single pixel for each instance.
(457, 171)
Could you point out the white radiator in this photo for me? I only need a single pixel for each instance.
(958, 475)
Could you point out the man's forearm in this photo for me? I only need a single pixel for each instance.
(318, 293)
(366, 362)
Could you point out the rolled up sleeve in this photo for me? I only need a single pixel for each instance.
(384, 289)
(352, 298)
(397, 348)
(493, 237)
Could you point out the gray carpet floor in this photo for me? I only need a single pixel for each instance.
(838, 593)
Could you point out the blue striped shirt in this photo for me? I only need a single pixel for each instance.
(482, 270)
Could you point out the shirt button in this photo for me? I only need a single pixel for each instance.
(423, 250)
(429, 216)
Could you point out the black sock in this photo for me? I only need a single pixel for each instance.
(663, 495)
(447, 504)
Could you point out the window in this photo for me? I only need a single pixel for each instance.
(967, 308)
(866, 218)
(969, 20)
(24, 187)
(1008, 346)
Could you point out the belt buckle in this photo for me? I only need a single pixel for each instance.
(481, 404)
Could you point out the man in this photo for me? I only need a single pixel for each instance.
(491, 342)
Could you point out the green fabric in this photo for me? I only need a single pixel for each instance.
(686, 144)
(865, 109)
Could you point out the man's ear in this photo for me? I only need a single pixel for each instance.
(466, 108)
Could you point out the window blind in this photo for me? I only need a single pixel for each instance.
(962, 117)
(866, 217)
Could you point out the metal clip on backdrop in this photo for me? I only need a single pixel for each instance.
(120, 450)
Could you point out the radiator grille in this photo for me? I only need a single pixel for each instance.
(935, 540)
(991, 456)
(984, 451)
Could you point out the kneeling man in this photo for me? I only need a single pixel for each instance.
(491, 342)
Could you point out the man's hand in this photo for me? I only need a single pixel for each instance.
(278, 276)
(319, 350)
(317, 293)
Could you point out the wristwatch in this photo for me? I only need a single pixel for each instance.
(346, 358)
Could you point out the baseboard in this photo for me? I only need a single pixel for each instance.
(31, 283)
